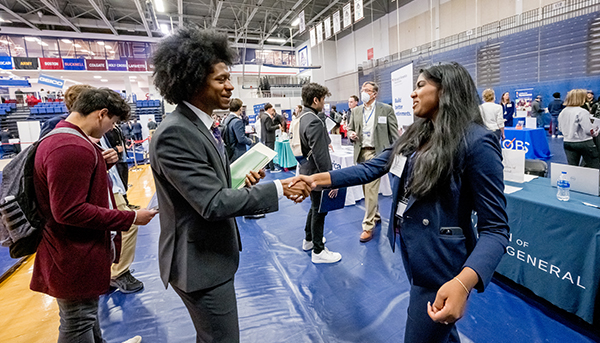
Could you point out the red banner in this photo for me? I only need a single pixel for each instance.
(136, 64)
(95, 64)
(51, 63)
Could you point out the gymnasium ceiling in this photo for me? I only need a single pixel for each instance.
(251, 21)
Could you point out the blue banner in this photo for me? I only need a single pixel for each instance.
(14, 83)
(6, 62)
(117, 65)
(73, 63)
(51, 81)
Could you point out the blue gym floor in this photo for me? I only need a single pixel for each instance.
(283, 297)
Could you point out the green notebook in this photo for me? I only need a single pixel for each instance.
(254, 159)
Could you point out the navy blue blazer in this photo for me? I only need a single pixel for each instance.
(431, 258)
(236, 132)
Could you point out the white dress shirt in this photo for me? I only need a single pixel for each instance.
(368, 125)
(208, 122)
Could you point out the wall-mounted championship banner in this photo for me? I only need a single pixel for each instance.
(51, 81)
(117, 65)
(327, 23)
(51, 63)
(358, 10)
(402, 87)
(337, 27)
(6, 62)
(95, 64)
(319, 33)
(26, 62)
(313, 37)
(302, 24)
(74, 63)
(136, 64)
(347, 15)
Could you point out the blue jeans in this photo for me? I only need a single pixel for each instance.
(555, 130)
(79, 321)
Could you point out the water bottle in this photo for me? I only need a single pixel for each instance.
(563, 186)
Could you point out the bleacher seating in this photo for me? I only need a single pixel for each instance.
(52, 108)
(152, 107)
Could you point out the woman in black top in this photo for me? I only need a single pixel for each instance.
(508, 109)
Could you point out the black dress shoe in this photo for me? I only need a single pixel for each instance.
(126, 283)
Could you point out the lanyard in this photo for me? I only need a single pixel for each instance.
(372, 110)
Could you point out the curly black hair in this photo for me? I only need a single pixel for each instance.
(183, 61)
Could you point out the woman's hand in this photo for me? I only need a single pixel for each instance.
(451, 299)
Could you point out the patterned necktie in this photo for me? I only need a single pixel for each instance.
(217, 136)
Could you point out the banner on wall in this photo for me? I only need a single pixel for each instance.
(402, 87)
(327, 23)
(74, 63)
(95, 64)
(51, 63)
(358, 10)
(336, 22)
(313, 37)
(370, 54)
(51, 81)
(302, 24)
(303, 57)
(523, 102)
(14, 83)
(6, 62)
(347, 15)
(136, 64)
(117, 65)
(253, 116)
(320, 33)
(26, 62)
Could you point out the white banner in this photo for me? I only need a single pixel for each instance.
(336, 22)
(347, 15)
(319, 32)
(327, 23)
(302, 23)
(358, 10)
(313, 37)
(514, 165)
(402, 87)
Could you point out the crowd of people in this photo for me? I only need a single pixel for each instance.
(444, 166)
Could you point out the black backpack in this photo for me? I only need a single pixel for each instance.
(21, 225)
(227, 136)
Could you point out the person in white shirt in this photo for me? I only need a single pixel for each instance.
(492, 114)
(576, 125)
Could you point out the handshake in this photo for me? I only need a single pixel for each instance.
(295, 188)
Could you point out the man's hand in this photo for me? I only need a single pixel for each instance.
(120, 148)
(296, 188)
(144, 216)
(331, 147)
(110, 156)
(253, 177)
(352, 135)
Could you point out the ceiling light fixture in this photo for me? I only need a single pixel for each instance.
(276, 40)
(164, 28)
(108, 47)
(103, 80)
(100, 43)
(296, 22)
(31, 39)
(97, 77)
(77, 45)
(159, 5)
(64, 40)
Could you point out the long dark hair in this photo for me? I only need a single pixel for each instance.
(438, 142)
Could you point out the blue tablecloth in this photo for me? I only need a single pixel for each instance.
(533, 141)
(555, 247)
(285, 157)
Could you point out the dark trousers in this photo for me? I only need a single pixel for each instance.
(555, 130)
(420, 328)
(123, 170)
(271, 146)
(587, 149)
(137, 136)
(213, 312)
(315, 221)
(79, 321)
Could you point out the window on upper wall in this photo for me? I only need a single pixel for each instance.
(83, 48)
(66, 48)
(112, 50)
(17, 46)
(5, 43)
(50, 47)
(33, 46)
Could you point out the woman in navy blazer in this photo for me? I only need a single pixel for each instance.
(444, 167)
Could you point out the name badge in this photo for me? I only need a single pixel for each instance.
(508, 105)
(401, 208)
(382, 120)
(398, 165)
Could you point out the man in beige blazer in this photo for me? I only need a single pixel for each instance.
(372, 127)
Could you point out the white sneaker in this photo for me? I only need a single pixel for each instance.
(326, 256)
(560, 136)
(136, 339)
(308, 245)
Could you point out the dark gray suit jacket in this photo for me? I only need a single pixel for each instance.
(199, 240)
(314, 142)
(268, 129)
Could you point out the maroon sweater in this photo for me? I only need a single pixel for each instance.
(74, 257)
